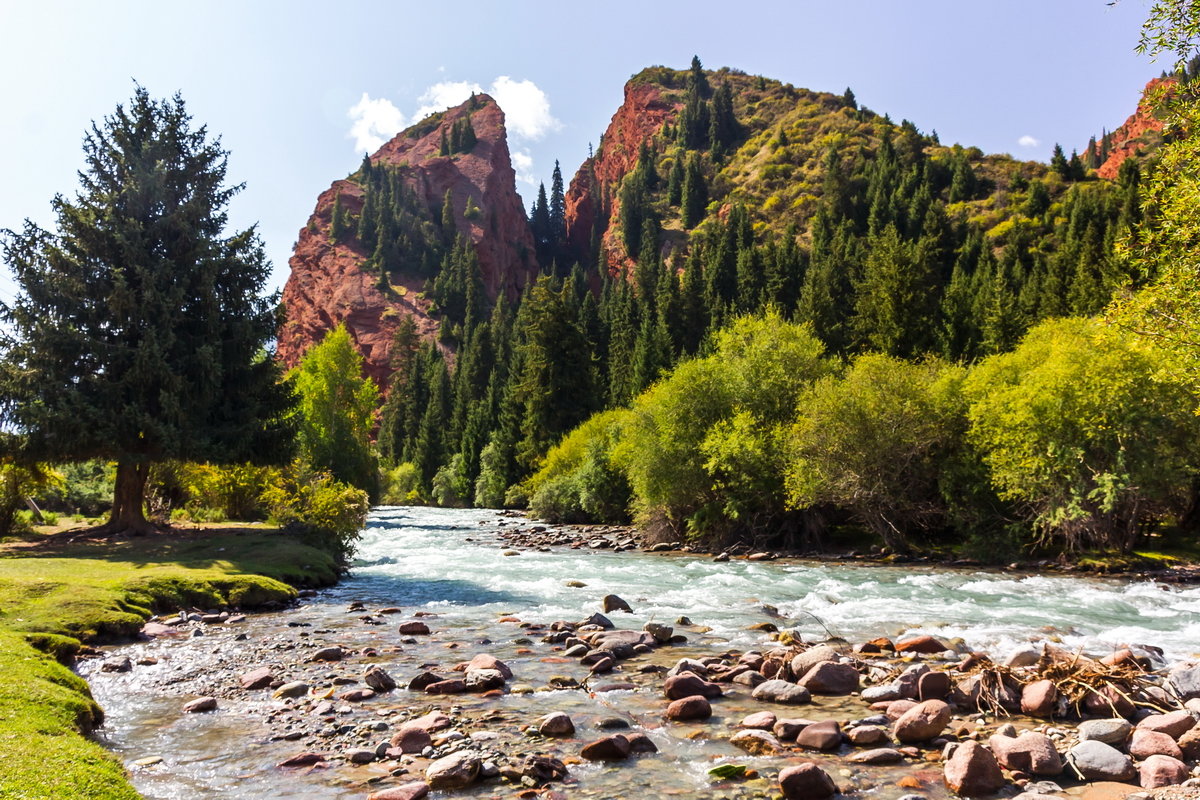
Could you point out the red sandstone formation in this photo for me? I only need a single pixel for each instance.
(329, 282)
(1128, 139)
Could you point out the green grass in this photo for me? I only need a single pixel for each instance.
(52, 596)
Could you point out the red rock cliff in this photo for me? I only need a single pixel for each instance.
(640, 116)
(330, 283)
(1135, 133)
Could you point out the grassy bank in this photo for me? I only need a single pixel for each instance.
(55, 594)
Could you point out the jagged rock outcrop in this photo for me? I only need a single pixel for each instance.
(1141, 129)
(590, 201)
(331, 282)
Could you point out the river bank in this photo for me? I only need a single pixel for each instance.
(436, 590)
(61, 595)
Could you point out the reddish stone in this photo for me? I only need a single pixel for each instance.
(922, 722)
(806, 782)
(972, 771)
(414, 629)
(610, 748)
(1159, 770)
(411, 738)
(407, 791)
(687, 708)
(686, 684)
(933, 686)
(1039, 699)
(1145, 743)
(824, 735)
(921, 644)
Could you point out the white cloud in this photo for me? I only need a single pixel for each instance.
(523, 165)
(375, 121)
(1028, 141)
(442, 95)
(526, 108)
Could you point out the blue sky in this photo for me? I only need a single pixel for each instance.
(286, 84)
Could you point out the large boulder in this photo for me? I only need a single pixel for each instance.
(1097, 761)
(806, 782)
(972, 771)
(612, 602)
(922, 722)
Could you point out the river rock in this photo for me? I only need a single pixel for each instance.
(920, 644)
(610, 748)
(1031, 752)
(661, 633)
(1158, 771)
(749, 678)
(686, 684)
(898, 708)
(1144, 744)
(481, 680)
(923, 722)
(200, 705)
(777, 691)
(116, 664)
(883, 693)
(451, 686)
(378, 679)
(599, 620)
(432, 722)
(293, 689)
(489, 661)
(971, 771)
(260, 678)
(1023, 655)
(357, 695)
(1189, 743)
(756, 743)
(789, 729)
(612, 602)
(761, 720)
(1107, 700)
(360, 755)
(824, 735)
(1039, 699)
(334, 653)
(302, 760)
(455, 771)
(542, 769)
(688, 665)
(556, 724)
(806, 782)
(866, 735)
(1174, 724)
(408, 791)
(880, 755)
(828, 677)
(1097, 761)
(414, 628)
(909, 679)
(1186, 682)
(1106, 731)
(806, 660)
(411, 738)
(425, 679)
(688, 708)
(934, 686)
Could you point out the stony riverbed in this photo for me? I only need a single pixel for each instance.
(507, 684)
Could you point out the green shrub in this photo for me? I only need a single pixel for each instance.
(401, 485)
(327, 513)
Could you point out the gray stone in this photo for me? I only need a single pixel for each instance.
(1107, 731)
(455, 771)
(1097, 761)
(777, 691)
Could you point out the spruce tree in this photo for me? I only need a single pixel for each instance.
(139, 329)
(694, 194)
(557, 212)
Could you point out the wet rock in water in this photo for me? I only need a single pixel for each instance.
(612, 724)
(260, 678)
(972, 771)
(920, 644)
(749, 678)
(689, 708)
(609, 748)
(556, 724)
(1145, 743)
(789, 729)
(867, 735)
(432, 722)
(200, 705)
(762, 720)
(543, 769)
(1097, 761)
(1186, 681)
(1174, 724)
(688, 665)
(1031, 752)
(575, 584)
(1158, 771)
(614, 687)
(884, 692)
(482, 680)
(489, 661)
(923, 722)
(880, 755)
(934, 686)
(425, 679)
(757, 743)
(1106, 731)
(640, 743)
(612, 602)
(302, 760)
(602, 665)
(600, 621)
(414, 628)
(778, 691)
(292, 689)
(806, 660)
(357, 695)
(830, 678)
(661, 633)
(451, 686)
(328, 654)
(824, 735)
(1039, 699)
(122, 664)
(687, 684)
(411, 738)
(455, 771)
(360, 755)
(378, 679)
(408, 791)
(806, 782)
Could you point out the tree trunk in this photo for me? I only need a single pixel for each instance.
(128, 515)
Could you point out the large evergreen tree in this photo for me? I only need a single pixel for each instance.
(139, 330)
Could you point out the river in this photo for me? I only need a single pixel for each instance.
(450, 564)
